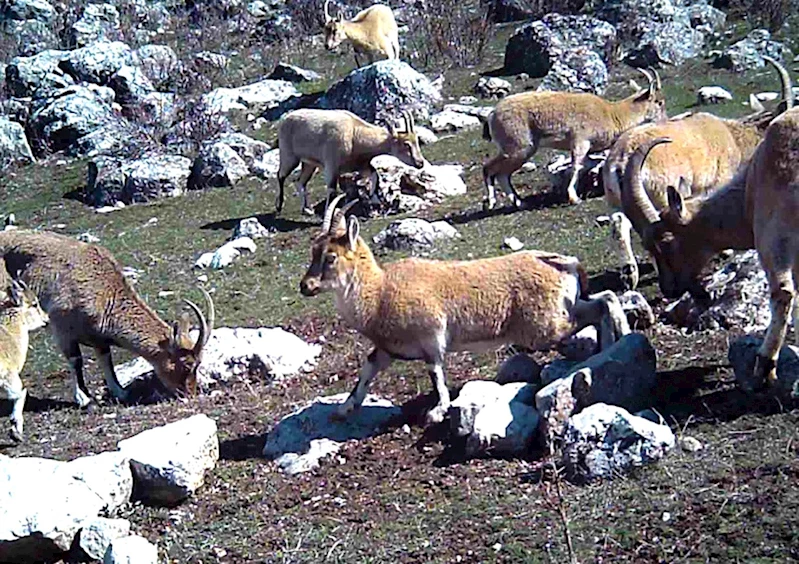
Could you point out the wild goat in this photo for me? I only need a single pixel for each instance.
(338, 141)
(372, 32)
(757, 209)
(417, 309)
(90, 302)
(20, 313)
(575, 122)
(705, 153)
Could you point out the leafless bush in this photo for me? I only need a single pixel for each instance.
(459, 39)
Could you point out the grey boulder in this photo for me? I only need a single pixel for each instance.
(14, 146)
(98, 21)
(748, 53)
(742, 355)
(415, 233)
(97, 535)
(132, 549)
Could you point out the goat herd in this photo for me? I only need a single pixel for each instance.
(690, 186)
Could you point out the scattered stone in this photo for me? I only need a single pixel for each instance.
(169, 462)
(639, 313)
(131, 550)
(251, 228)
(492, 87)
(690, 444)
(207, 61)
(226, 254)
(131, 85)
(581, 346)
(604, 440)
(159, 63)
(453, 121)
(97, 535)
(229, 158)
(513, 244)
(87, 237)
(712, 95)
(39, 74)
(285, 71)
(380, 92)
(590, 180)
(481, 112)
(300, 440)
(96, 63)
(623, 374)
(739, 299)
(414, 234)
(466, 100)
(265, 353)
(254, 98)
(14, 146)
(99, 21)
(534, 48)
(742, 355)
(425, 135)
(767, 96)
(507, 425)
(519, 368)
(748, 53)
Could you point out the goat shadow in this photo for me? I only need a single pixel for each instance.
(270, 221)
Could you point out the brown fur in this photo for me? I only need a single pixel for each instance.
(372, 32)
(573, 122)
(338, 141)
(90, 302)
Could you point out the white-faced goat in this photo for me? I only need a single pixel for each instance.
(573, 122)
(705, 153)
(757, 209)
(90, 302)
(372, 32)
(418, 309)
(19, 313)
(338, 141)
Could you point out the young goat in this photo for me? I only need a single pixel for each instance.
(89, 302)
(705, 153)
(757, 209)
(372, 32)
(578, 123)
(338, 141)
(19, 313)
(420, 309)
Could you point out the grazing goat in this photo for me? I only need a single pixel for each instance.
(419, 309)
(705, 153)
(338, 141)
(372, 32)
(89, 302)
(19, 313)
(758, 209)
(575, 122)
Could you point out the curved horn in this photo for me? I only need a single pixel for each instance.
(409, 124)
(331, 207)
(646, 74)
(785, 81)
(657, 80)
(340, 214)
(327, 11)
(206, 325)
(633, 194)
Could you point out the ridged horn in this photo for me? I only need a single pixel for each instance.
(633, 193)
(206, 325)
(648, 76)
(785, 81)
(327, 11)
(339, 218)
(328, 220)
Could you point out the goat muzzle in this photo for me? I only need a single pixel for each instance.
(310, 287)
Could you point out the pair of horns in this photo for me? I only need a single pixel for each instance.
(206, 325)
(328, 17)
(334, 217)
(407, 122)
(653, 78)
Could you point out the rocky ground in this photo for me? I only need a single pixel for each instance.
(408, 494)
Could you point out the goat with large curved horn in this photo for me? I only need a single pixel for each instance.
(633, 193)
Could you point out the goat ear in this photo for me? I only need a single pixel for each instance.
(635, 86)
(353, 231)
(676, 203)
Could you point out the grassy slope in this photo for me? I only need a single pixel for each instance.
(401, 496)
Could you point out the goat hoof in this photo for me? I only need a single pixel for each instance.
(488, 205)
(575, 200)
(765, 372)
(16, 435)
(436, 415)
(308, 211)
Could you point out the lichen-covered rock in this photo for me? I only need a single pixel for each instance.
(159, 63)
(97, 62)
(153, 176)
(169, 463)
(97, 535)
(292, 73)
(519, 368)
(578, 69)
(132, 549)
(712, 95)
(38, 74)
(492, 87)
(254, 98)
(414, 233)
(30, 36)
(98, 21)
(450, 121)
(130, 84)
(381, 91)
(217, 165)
(300, 440)
(14, 146)
(604, 440)
(748, 53)
(535, 47)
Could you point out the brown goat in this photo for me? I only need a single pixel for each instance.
(90, 302)
(575, 122)
(373, 32)
(757, 209)
(338, 141)
(705, 153)
(417, 309)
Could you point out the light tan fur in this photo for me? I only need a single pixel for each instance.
(573, 122)
(758, 209)
(20, 313)
(372, 32)
(418, 309)
(704, 154)
(90, 302)
(338, 141)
